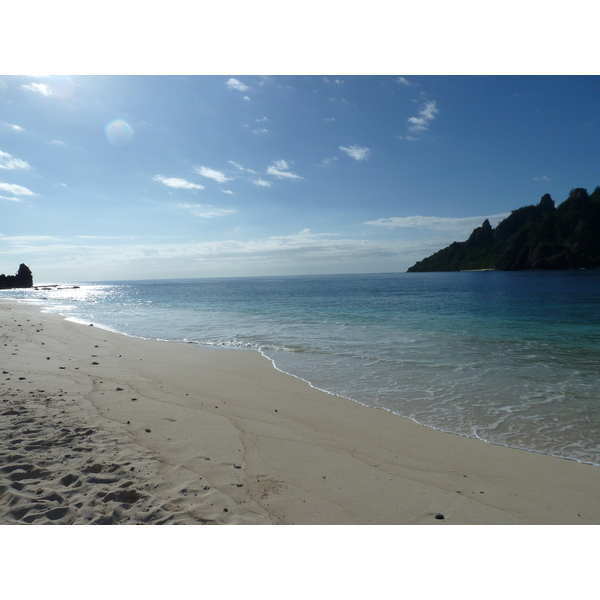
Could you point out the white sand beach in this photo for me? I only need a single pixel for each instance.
(98, 427)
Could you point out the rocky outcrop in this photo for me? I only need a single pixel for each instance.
(532, 237)
(23, 279)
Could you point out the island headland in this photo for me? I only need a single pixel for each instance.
(542, 236)
(23, 279)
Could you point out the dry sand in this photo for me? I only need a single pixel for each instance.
(97, 427)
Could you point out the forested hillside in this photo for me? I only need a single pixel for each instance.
(542, 236)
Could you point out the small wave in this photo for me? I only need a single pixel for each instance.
(243, 344)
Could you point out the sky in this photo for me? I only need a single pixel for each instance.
(148, 177)
(160, 149)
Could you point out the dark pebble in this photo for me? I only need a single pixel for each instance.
(440, 516)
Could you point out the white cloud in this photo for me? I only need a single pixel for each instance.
(175, 182)
(7, 161)
(40, 88)
(262, 182)
(17, 190)
(262, 130)
(437, 223)
(280, 169)
(356, 152)
(236, 84)
(227, 192)
(426, 115)
(12, 199)
(13, 127)
(246, 98)
(542, 178)
(212, 174)
(403, 81)
(206, 211)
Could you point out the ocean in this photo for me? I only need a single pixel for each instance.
(511, 358)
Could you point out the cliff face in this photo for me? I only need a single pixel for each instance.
(23, 279)
(532, 237)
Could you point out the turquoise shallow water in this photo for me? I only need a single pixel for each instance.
(511, 358)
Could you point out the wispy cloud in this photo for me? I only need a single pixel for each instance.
(40, 88)
(212, 174)
(236, 84)
(403, 81)
(357, 152)
(542, 178)
(424, 118)
(206, 211)
(241, 167)
(7, 161)
(280, 169)
(13, 126)
(328, 161)
(17, 190)
(227, 192)
(437, 223)
(262, 182)
(12, 198)
(261, 130)
(25, 239)
(176, 182)
(98, 237)
(307, 251)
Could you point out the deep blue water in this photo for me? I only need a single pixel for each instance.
(511, 358)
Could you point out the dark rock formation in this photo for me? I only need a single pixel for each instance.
(23, 279)
(532, 237)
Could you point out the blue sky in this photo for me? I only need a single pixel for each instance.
(142, 177)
